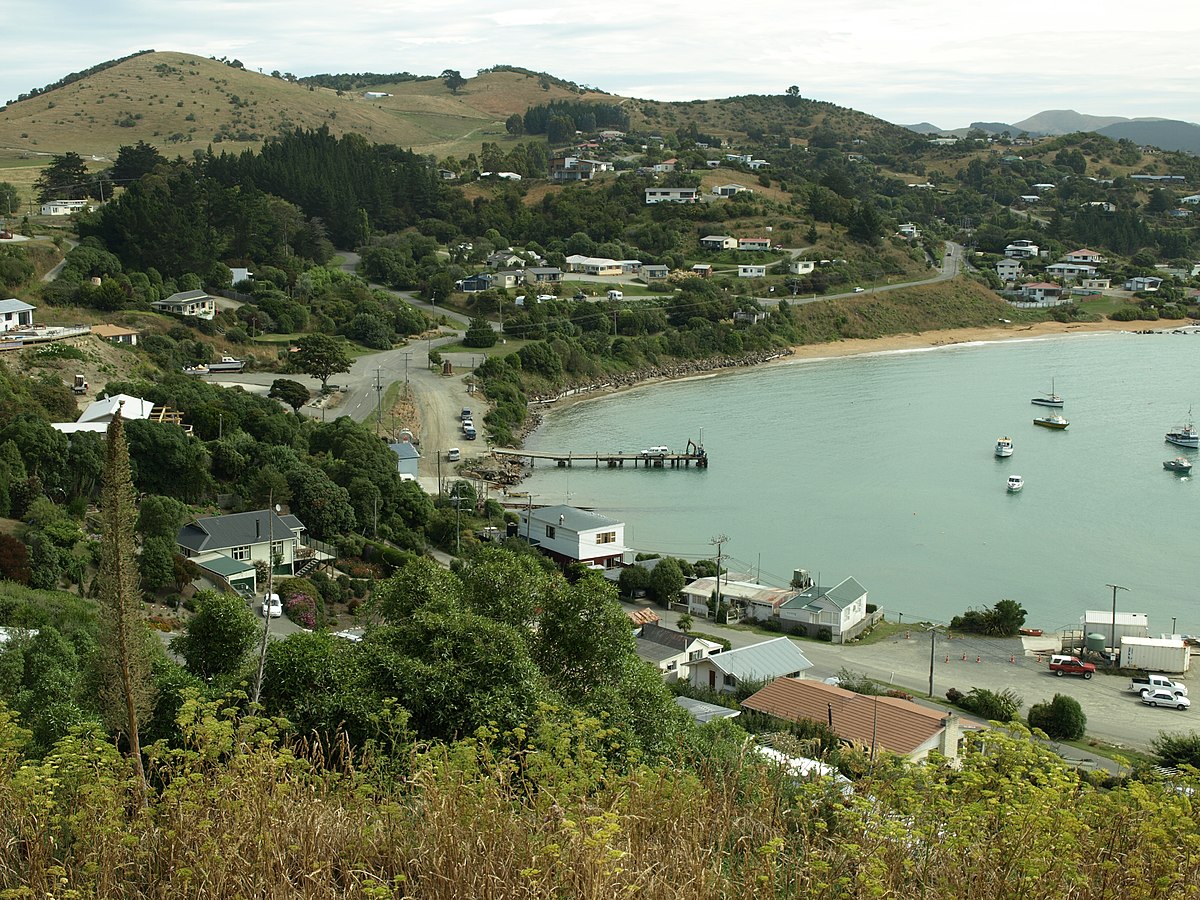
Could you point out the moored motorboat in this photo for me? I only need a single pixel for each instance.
(1184, 436)
(1004, 446)
(1179, 464)
(1015, 483)
(1054, 420)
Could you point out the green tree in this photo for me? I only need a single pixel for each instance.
(515, 125)
(219, 637)
(1062, 718)
(160, 516)
(124, 649)
(666, 581)
(320, 356)
(293, 393)
(453, 80)
(1178, 749)
(685, 623)
(479, 333)
(632, 580)
(10, 200)
(157, 563)
(66, 178)
(134, 162)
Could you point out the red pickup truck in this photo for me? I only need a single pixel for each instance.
(1071, 665)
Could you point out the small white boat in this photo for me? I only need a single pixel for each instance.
(1180, 464)
(1054, 420)
(1015, 483)
(1004, 446)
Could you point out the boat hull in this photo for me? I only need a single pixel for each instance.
(1191, 441)
(1047, 401)
(1048, 424)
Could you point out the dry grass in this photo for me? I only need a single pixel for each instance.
(156, 92)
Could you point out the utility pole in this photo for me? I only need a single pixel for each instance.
(406, 356)
(272, 508)
(932, 637)
(719, 541)
(1113, 632)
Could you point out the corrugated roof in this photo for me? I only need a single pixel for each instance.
(760, 662)
(702, 712)
(13, 305)
(103, 410)
(571, 518)
(844, 594)
(405, 450)
(236, 530)
(899, 726)
(643, 616)
(184, 297)
(665, 637)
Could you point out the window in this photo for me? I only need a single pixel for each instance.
(242, 554)
(695, 655)
(606, 537)
(277, 549)
(550, 531)
(730, 681)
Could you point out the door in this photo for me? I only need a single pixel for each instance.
(712, 679)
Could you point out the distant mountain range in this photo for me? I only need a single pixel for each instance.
(1166, 134)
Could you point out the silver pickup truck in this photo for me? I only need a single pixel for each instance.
(1141, 684)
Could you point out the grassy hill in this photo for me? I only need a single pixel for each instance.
(180, 103)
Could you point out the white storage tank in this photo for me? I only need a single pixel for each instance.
(1155, 654)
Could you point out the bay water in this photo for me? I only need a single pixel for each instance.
(882, 467)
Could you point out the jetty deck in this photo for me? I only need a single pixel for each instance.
(564, 459)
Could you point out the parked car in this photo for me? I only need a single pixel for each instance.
(469, 433)
(453, 454)
(858, 290)
(272, 606)
(465, 415)
(1071, 665)
(1163, 697)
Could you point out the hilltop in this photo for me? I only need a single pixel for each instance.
(180, 103)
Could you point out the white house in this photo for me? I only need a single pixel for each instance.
(1070, 271)
(115, 334)
(1096, 284)
(672, 195)
(1042, 292)
(839, 612)
(188, 303)
(752, 271)
(1083, 255)
(908, 230)
(64, 207)
(655, 272)
(754, 244)
(99, 413)
(718, 242)
(668, 650)
(1009, 269)
(505, 176)
(228, 546)
(667, 165)
(772, 659)
(758, 164)
(1193, 199)
(568, 535)
(15, 314)
(728, 190)
(1147, 283)
(1021, 250)
(593, 265)
(802, 266)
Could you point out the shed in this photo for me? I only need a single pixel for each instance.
(1127, 624)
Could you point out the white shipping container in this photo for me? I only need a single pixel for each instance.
(1155, 654)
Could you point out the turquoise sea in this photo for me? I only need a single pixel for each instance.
(882, 467)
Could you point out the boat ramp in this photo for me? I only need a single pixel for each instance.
(654, 458)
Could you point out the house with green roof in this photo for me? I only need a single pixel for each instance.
(837, 613)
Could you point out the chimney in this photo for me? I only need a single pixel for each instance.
(948, 743)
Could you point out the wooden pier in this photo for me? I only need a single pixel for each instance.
(564, 459)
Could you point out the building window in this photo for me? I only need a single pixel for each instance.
(550, 531)
(730, 681)
(277, 550)
(241, 554)
(695, 655)
(606, 537)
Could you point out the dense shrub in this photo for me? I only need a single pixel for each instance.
(1062, 718)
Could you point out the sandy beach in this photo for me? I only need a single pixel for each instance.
(924, 340)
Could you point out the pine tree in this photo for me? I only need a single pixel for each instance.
(124, 651)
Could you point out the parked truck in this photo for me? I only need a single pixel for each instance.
(1143, 684)
(1071, 665)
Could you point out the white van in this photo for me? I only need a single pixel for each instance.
(656, 451)
(453, 454)
(615, 295)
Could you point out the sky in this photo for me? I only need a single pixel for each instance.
(946, 62)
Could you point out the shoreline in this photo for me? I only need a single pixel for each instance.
(843, 349)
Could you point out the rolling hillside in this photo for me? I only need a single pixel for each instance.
(180, 103)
